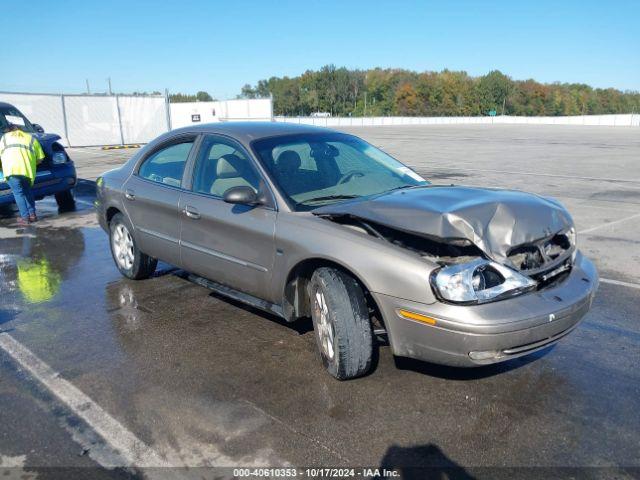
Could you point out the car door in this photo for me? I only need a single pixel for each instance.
(228, 243)
(152, 195)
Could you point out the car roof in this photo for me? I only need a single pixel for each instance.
(5, 104)
(249, 131)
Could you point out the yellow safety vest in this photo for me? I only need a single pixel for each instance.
(20, 152)
(37, 281)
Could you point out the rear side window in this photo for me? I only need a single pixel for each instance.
(167, 165)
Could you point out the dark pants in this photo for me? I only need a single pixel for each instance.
(21, 188)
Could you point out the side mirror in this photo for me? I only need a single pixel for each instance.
(38, 128)
(241, 195)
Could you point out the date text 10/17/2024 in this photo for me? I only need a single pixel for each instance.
(316, 472)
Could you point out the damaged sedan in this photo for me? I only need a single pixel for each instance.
(307, 222)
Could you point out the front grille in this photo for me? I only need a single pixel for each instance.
(544, 259)
(553, 278)
(537, 344)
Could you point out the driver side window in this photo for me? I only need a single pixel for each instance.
(220, 166)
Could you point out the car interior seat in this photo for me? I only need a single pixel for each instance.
(204, 179)
(288, 171)
(232, 171)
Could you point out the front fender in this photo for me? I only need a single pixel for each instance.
(380, 266)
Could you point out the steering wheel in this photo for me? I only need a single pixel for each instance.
(349, 175)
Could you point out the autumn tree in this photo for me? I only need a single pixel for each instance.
(380, 92)
(406, 101)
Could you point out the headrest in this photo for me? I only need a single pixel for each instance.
(289, 160)
(322, 150)
(229, 166)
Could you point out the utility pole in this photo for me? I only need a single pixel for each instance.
(109, 81)
(167, 108)
(504, 100)
(366, 78)
(88, 89)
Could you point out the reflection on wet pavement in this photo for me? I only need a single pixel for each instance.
(33, 266)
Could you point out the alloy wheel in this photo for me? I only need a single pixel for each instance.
(122, 243)
(326, 332)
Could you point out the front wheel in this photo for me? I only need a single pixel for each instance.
(65, 201)
(341, 323)
(131, 262)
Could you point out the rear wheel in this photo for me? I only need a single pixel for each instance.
(65, 201)
(341, 323)
(131, 262)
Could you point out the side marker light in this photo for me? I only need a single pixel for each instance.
(417, 316)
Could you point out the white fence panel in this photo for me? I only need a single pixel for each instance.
(86, 120)
(92, 120)
(193, 113)
(142, 118)
(258, 109)
(45, 110)
(236, 110)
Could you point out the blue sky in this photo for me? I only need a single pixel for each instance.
(218, 46)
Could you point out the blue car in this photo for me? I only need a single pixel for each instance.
(56, 174)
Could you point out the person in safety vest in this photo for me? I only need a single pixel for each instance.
(20, 152)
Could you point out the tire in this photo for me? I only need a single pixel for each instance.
(346, 321)
(6, 210)
(65, 201)
(131, 262)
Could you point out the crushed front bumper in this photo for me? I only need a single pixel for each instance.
(474, 335)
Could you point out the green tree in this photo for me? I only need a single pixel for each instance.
(341, 91)
(203, 97)
(493, 89)
(183, 98)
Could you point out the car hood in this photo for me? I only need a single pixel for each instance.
(494, 220)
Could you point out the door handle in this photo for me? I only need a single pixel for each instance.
(129, 195)
(191, 212)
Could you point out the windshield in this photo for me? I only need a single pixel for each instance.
(316, 169)
(12, 115)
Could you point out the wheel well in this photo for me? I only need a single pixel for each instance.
(295, 302)
(111, 211)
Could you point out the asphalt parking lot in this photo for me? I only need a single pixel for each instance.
(172, 374)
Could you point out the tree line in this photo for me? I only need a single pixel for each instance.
(182, 97)
(382, 92)
(201, 96)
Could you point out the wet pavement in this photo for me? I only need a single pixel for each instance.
(207, 381)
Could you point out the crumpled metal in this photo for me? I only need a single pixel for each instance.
(495, 220)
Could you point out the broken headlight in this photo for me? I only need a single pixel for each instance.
(478, 281)
(572, 235)
(59, 157)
